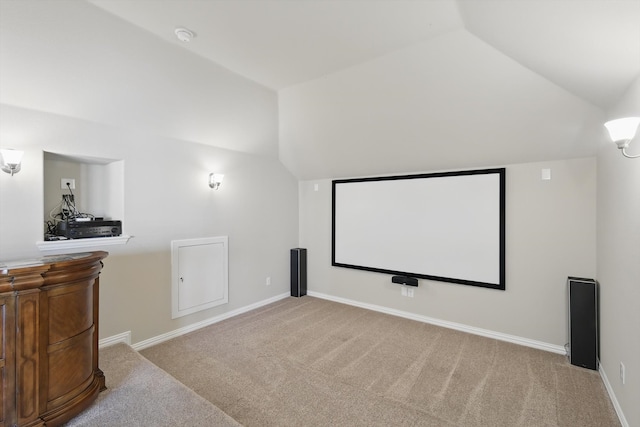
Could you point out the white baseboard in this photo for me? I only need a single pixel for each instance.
(612, 396)
(195, 326)
(124, 337)
(446, 324)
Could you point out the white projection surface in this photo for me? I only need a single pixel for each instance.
(443, 226)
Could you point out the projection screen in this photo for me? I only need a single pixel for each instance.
(447, 226)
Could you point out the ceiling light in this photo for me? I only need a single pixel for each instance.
(184, 35)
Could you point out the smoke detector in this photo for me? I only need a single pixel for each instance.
(184, 35)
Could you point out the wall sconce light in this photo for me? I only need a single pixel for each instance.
(622, 131)
(11, 160)
(215, 179)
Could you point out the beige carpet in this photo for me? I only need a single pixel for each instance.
(312, 362)
(140, 394)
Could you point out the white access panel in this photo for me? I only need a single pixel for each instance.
(200, 279)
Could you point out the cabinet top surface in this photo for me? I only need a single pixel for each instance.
(47, 260)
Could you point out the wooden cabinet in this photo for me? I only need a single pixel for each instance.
(49, 338)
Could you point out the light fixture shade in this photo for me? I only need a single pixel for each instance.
(215, 179)
(11, 157)
(622, 129)
(11, 160)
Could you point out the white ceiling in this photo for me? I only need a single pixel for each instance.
(589, 47)
(333, 88)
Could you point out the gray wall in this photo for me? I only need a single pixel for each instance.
(619, 263)
(550, 235)
(170, 118)
(166, 197)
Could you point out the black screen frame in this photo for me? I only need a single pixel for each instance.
(501, 172)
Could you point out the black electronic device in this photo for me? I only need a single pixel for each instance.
(404, 280)
(298, 272)
(583, 322)
(88, 229)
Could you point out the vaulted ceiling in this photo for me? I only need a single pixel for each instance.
(500, 81)
(589, 47)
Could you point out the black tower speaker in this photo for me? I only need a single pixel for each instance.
(298, 272)
(583, 322)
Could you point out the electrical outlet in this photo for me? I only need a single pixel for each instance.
(268, 281)
(622, 373)
(65, 181)
(410, 292)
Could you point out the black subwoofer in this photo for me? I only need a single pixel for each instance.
(583, 322)
(298, 272)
